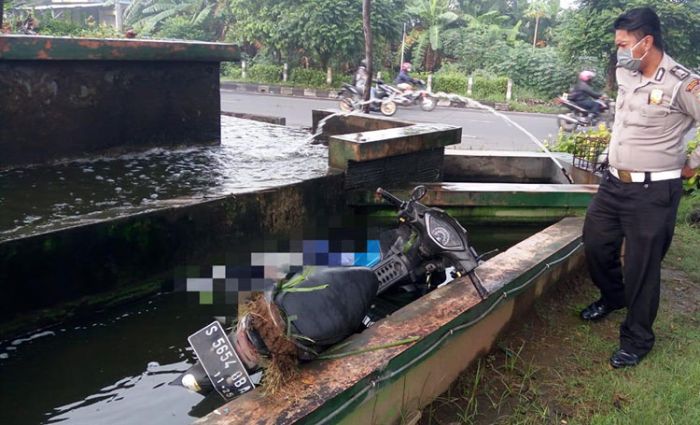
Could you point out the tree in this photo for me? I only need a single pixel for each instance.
(493, 24)
(539, 9)
(433, 16)
(150, 15)
(588, 31)
(325, 30)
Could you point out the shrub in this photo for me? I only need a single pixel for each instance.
(542, 69)
(567, 142)
(339, 79)
(182, 28)
(230, 70)
(262, 73)
(60, 27)
(450, 82)
(692, 185)
(417, 75)
(489, 88)
(308, 77)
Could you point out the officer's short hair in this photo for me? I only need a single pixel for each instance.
(641, 22)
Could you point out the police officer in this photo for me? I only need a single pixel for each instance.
(657, 103)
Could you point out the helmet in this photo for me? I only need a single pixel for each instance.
(406, 66)
(586, 75)
(363, 63)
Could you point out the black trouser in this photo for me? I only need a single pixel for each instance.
(644, 214)
(589, 105)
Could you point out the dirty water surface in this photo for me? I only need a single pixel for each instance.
(252, 156)
(113, 367)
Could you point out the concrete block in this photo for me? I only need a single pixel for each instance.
(66, 97)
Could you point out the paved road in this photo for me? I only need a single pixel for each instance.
(480, 130)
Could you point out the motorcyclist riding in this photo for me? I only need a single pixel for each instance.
(360, 79)
(583, 94)
(404, 81)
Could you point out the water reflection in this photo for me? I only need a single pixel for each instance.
(112, 368)
(252, 156)
(132, 399)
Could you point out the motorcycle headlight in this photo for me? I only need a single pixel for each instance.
(443, 234)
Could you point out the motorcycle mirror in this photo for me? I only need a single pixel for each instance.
(418, 193)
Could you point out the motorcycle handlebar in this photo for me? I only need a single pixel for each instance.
(389, 197)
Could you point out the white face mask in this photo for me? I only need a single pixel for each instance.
(626, 59)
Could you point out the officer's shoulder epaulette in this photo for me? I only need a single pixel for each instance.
(680, 72)
(694, 85)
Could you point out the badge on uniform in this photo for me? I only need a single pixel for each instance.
(656, 96)
(693, 84)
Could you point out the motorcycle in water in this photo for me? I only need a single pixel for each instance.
(313, 310)
(574, 116)
(352, 100)
(418, 95)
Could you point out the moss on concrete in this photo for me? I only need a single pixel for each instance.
(80, 307)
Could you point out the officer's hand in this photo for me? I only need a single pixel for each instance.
(687, 172)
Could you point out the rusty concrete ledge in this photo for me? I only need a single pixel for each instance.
(335, 124)
(445, 195)
(375, 387)
(25, 47)
(361, 147)
(501, 167)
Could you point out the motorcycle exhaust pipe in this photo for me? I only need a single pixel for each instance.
(569, 118)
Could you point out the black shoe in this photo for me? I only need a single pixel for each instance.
(622, 358)
(597, 311)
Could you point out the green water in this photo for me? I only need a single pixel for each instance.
(113, 367)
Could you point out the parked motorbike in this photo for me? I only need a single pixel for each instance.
(352, 100)
(319, 308)
(574, 116)
(417, 96)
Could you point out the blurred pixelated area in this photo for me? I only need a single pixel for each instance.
(233, 284)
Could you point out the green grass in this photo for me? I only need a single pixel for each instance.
(683, 254)
(553, 369)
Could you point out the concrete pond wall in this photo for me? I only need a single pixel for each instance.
(65, 97)
(60, 267)
(75, 265)
(45, 270)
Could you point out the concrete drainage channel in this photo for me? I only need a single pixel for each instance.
(454, 326)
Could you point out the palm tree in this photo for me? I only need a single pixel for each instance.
(151, 13)
(539, 9)
(434, 16)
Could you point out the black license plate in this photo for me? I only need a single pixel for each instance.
(220, 361)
